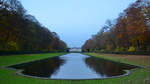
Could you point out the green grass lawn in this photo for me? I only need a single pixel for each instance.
(139, 76)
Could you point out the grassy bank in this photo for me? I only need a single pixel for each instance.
(14, 59)
(140, 76)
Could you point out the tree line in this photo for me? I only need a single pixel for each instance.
(129, 32)
(20, 31)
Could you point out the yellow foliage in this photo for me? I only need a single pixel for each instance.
(108, 48)
(102, 50)
(133, 41)
(131, 49)
(119, 49)
(13, 45)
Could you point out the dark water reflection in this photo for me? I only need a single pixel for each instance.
(73, 66)
(42, 68)
(107, 68)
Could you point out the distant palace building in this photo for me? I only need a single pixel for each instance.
(75, 49)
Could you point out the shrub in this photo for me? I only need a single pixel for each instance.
(119, 49)
(131, 49)
(102, 50)
(148, 48)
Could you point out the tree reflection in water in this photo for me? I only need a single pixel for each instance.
(73, 66)
(107, 68)
(42, 68)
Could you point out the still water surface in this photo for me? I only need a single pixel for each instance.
(74, 66)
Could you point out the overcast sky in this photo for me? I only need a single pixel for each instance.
(75, 21)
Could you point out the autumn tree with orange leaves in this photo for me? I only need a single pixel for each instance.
(131, 30)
